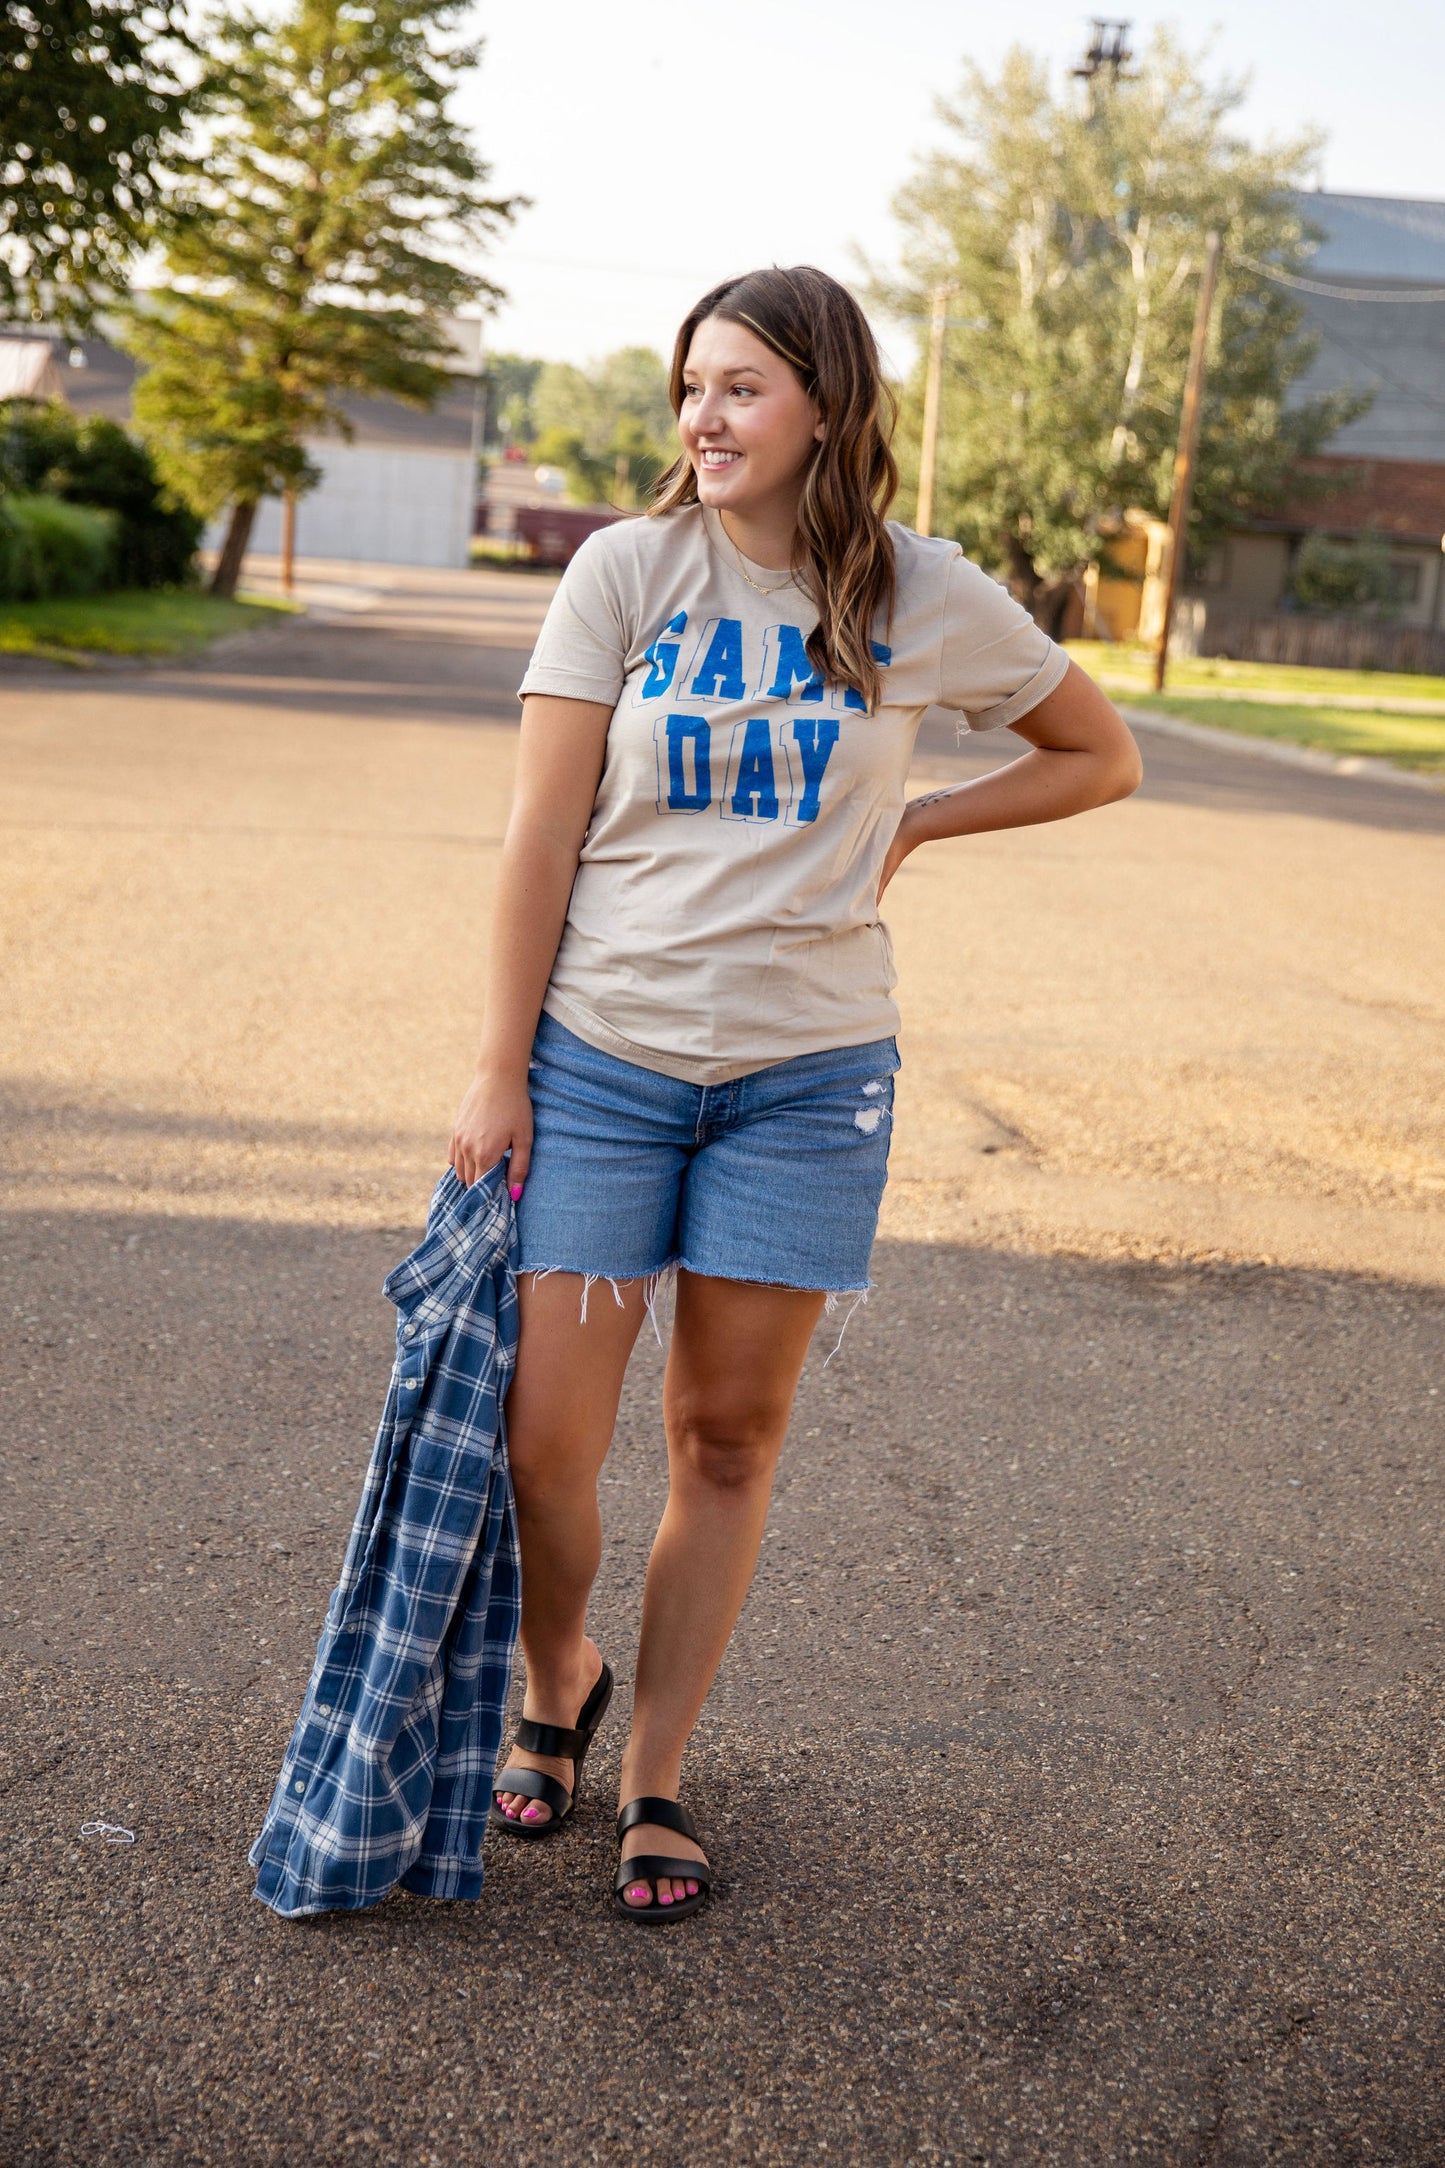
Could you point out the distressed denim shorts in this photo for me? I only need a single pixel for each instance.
(775, 1177)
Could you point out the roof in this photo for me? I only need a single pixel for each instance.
(102, 380)
(1379, 237)
(1379, 246)
(1402, 498)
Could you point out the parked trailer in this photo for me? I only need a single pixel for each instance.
(555, 532)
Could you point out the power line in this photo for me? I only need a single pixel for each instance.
(1337, 293)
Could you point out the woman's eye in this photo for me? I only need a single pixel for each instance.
(743, 390)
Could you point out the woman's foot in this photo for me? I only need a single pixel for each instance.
(556, 1702)
(650, 1837)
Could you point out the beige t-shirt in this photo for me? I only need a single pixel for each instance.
(725, 912)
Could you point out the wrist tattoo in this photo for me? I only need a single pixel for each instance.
(932, 797)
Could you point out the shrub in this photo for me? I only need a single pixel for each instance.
(48, 548)
(1345, 577)
(49, 450)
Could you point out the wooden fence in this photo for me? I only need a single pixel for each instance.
(1331, 643)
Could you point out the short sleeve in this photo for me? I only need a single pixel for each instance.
(582, 647)
(996, 663)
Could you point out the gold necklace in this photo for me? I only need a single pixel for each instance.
(748, 576)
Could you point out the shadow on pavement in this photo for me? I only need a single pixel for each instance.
(1072, 1777)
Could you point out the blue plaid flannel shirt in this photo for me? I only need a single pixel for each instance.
(388, 1775)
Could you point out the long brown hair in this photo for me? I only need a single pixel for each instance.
(844, 553)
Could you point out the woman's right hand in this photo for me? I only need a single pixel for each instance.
(493, 1117)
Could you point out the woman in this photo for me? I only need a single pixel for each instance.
(688, 1047)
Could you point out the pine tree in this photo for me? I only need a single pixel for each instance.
(316, 247)
(1070, 240)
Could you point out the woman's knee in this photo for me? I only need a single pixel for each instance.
(727, 1449)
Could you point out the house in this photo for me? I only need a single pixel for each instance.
(399, 491)
(1380, 327)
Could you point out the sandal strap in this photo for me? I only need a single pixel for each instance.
(553, 1740)
(561, 1742)
(648, 1866)
(666, 1813)
(535, 1784)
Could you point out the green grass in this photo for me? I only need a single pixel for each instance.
(1131, 669)
(506, 556)
(165, 621)
(1411, 741)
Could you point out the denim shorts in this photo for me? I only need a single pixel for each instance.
(775, 1177)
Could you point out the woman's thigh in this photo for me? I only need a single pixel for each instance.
(562, 1403)
(733, 1367)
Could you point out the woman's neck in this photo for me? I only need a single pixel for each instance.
(767, 537)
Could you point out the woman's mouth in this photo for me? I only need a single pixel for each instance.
(714, 460)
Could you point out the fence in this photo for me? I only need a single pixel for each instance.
(1201, 627)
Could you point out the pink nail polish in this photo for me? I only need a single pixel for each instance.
(516, 1192)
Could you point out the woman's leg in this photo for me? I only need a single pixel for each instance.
(737, 1351)
(561, 1410)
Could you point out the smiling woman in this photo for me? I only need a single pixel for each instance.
(688, 1050)
(750, 413)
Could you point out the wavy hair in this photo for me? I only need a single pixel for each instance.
(844, 552)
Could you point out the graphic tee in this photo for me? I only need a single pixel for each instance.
(725, 911)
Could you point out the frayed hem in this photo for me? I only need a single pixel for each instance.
(652, 1284)
(664, 1281)
(860, 1295)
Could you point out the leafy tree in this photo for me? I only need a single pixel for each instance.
(1346, 576)
(315, 253)
(1071, 243)
(90, 105)
(48, 450)
(511, 380)
(609, 426)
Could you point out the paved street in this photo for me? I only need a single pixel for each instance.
(1073, 1778)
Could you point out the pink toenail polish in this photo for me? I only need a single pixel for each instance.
(530, 1814)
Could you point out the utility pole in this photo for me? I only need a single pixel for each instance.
(932, 387)
(1182, 493)
(288, 541)
(1108, 53)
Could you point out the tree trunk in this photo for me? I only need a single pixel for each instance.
(1044, 595)
(233, 549)
(1023, 580)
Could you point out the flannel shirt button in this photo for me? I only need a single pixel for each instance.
(324, 1707)
(299, 1785)
(409, 1332)
(410, 1384)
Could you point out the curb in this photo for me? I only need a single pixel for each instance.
(1351, 767)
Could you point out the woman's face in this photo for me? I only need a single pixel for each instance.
(747, 425)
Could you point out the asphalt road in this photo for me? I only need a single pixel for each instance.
(1073, 1776)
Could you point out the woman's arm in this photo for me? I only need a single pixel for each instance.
(1083, 756)
(559, 762)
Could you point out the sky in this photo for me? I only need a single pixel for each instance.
(666, 146)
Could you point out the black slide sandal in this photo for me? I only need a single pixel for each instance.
(647, 1866)
(552, 1739)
